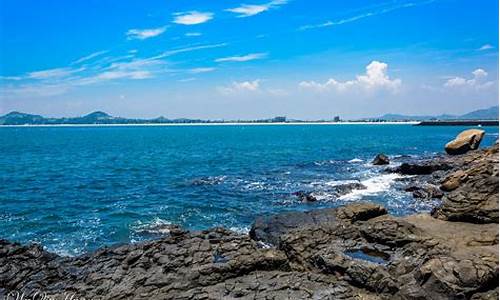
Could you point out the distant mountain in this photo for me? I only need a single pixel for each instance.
(481, 114)
(18, 118)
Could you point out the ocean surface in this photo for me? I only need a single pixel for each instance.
(75, 189)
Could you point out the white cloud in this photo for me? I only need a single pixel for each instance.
(486, 47)
(478, 81)
(53, 73)
(375, 78)
(243, 58)
(243, 86)
(89, 57)
(192, 17)
(247, 10)
(201, 70)
(142, 34)
(188, 49)
(365, 15)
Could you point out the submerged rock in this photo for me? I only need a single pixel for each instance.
(381, 159)
(465, 141)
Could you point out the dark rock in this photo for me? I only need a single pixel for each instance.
(424, 168)
(346, 188)
(426, 191)
(269, 228)
(305, 197)
(380, 159)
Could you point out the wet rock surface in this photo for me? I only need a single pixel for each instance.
(381, 159)
(357, 251)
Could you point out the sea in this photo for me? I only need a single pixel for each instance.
(76, 189)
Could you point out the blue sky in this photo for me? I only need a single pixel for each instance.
(250, 59)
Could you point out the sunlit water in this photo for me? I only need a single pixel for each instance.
(75, 189)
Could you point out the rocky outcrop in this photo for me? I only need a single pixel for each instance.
(474, 191)
(467, 140)
(268, 229)
(381, 159)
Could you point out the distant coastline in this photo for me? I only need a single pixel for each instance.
(486, 117)
(218, 124)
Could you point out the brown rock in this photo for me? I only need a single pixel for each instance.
(465, 141)
(453, 181)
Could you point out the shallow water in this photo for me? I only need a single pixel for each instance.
(75, 189)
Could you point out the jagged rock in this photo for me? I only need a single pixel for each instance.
(269, 228)
(427, 191)
(381, 159)
(465, 141)
(475, 200)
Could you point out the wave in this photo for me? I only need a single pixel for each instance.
(156, 226)
(355, 160)
(374, 186)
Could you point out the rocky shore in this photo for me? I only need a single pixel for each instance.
(358, 251)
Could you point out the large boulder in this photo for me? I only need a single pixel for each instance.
(465, 141)
(380, 159)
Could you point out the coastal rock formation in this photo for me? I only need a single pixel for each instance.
(357, 251)
(381, 159)
(475, 197)
(465, 141)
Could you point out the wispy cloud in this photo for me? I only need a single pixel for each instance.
(242, 58)
(142, 34)
(368, 14)
(192, 17)
(201, 70)
(247, 10)
(53, 73)
(375, 78)
(58, 81)
(89, 57)
(188, 49)
(486, 47)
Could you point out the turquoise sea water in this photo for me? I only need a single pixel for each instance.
(75, 189)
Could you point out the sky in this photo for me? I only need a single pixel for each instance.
(248, 59)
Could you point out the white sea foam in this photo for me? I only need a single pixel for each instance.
(157, 225)
(355, 160)
(374, 185)
(242, 230)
